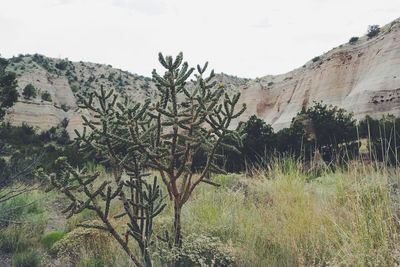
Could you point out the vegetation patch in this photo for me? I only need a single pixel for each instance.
(46, 96)
(49, 239)
(353, 40)
(28, 258)
(29, 91)
(373, 30)
(315, 59)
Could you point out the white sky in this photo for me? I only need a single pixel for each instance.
(249, 38)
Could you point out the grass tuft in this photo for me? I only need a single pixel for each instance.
(26, 259)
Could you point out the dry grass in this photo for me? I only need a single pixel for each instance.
(279, 217)
(282, 218)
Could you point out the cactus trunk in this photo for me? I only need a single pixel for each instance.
(177, 225)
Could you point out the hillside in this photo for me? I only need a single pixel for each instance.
(363, 77)
(63, 79)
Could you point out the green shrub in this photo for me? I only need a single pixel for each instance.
(49, 239)
(29, 91)
(145, 86)
(64, 107)
(328, 128)
(62, 65)
(315, 59)
(82, 243)
(373, 30)
(17, 59)
(44, 62)
(353, 40)
(111, 77)
(26, 259)
(74, 88)
(46, 96)
(24, 144)
(8, 85)
(199, 250)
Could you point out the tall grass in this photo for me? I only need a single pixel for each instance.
(282, 218)
(22, 220)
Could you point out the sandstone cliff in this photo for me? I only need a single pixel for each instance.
(363, 78)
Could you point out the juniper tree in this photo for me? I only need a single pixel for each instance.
(29, 91)
(373, 30)
(8, 96)
(104, 138)
(8, 85)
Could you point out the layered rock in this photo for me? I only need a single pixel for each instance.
(363, 78)
(63, 82)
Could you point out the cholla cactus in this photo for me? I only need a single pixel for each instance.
(105, 138)
(166, 135)
(141, 201)
(190, 118)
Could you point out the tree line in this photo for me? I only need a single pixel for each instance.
(330, 130)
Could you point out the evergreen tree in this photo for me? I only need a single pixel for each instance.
(29, 91)
(373, 30)
(8, 85)
(258, 140)
(331, 125)
(327, 129)
(46, 96)
(8, 96)
(258, 144)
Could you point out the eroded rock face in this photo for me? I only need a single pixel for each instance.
(363, 78)
(63, 83)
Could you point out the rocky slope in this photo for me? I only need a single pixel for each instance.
(363, 77)
(63, 79)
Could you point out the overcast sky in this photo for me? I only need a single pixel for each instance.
(250, 38)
